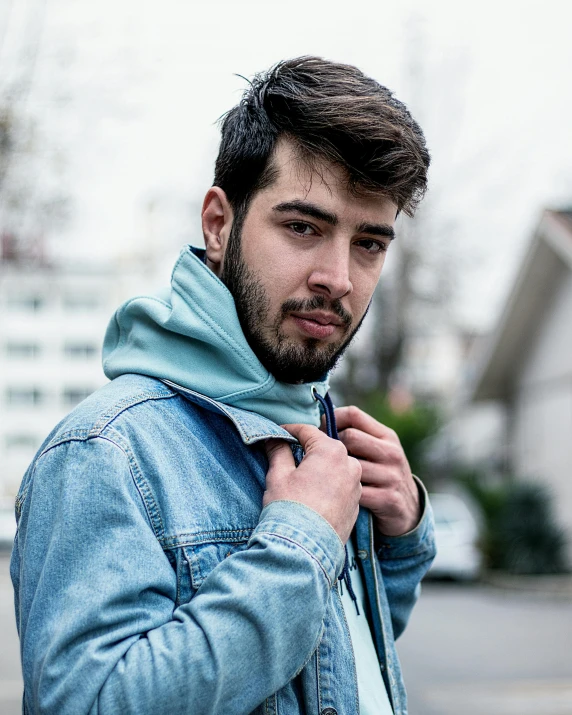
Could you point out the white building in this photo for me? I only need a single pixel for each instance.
(528, 366)
(52, 324)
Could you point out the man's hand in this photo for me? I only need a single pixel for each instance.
(389, 490)
(327, 479)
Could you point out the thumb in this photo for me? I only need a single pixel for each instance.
(280, 457)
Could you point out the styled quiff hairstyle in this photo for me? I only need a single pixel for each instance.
(332, 112)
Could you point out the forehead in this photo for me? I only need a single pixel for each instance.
(321, 183)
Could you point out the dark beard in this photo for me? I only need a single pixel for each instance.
(287, 361)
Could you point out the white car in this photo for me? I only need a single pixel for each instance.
(456, 535)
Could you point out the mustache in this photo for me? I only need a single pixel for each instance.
(317, 302)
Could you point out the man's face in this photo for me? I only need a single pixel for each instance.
(303, 266)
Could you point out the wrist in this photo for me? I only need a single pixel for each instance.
(406, 523)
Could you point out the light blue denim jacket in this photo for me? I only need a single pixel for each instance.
(149, 579)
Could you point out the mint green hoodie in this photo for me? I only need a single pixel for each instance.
(193, 338)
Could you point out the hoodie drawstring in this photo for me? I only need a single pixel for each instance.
(332, 431)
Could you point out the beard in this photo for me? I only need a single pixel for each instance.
(288, 360)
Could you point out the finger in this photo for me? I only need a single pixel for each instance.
(376, 475)
(280, 455)
(363, 445)
(370, 497)
(352, 416)
(307, 435)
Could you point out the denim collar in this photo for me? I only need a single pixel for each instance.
(251, 426)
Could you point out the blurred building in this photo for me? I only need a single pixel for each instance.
(434, 359)
(527, 368)
(52, 323)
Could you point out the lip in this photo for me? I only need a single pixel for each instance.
(316, 325)
(320, 317)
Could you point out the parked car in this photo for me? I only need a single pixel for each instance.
(456, 534)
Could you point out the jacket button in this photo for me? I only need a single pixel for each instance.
(329, 711)
(362, 554)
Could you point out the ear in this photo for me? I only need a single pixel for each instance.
(217, 219)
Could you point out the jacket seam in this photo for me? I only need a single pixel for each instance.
(131, 463)
(349, 638)
(144, 490)
(85, 433)
(200, 538)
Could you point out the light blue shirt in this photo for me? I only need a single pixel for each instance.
(373, 699)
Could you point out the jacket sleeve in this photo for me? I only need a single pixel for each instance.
(98, 625)
(404, 560)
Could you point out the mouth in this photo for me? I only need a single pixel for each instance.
(318, 325)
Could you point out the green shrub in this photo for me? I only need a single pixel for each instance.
(413, 425)
(520, 534)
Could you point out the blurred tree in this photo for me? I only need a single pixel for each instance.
(30, 206)
(414, 423)
(416, 293)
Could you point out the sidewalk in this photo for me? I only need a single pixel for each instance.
(558, 587)
(532, 697)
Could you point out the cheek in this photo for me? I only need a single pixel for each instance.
(362, 294)
(284, 276)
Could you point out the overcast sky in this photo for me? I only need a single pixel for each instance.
(124, 97)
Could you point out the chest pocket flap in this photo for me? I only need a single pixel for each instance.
(208, 550)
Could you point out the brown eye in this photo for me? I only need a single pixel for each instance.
(301, 228)
(372, 246)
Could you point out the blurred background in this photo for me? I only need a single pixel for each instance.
(108, 137)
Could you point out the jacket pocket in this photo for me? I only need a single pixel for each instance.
(208, 550)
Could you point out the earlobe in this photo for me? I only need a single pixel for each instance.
(217, 221)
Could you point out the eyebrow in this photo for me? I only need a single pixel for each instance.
(377, 229)
(308, 209)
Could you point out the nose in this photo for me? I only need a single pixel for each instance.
(331, 273)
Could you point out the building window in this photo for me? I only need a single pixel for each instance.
(81, 302)
(28, 302)
(21, 442)
(24, 396)
(22, 350)
(74, 395)
(80, 350)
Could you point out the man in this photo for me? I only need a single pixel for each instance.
(179, 551)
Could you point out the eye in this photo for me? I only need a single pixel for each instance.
(301, 228)
(372, 246)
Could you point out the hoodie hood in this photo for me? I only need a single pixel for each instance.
(193, 338)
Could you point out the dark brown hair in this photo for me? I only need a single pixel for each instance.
(333, 113)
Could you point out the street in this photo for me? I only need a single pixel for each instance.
(470, 650)
(480, 650)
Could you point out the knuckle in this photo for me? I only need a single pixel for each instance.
(357, 467)
(350, 435)
(393, 452)
(354, 412)
(392, 501)
(392, 435)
